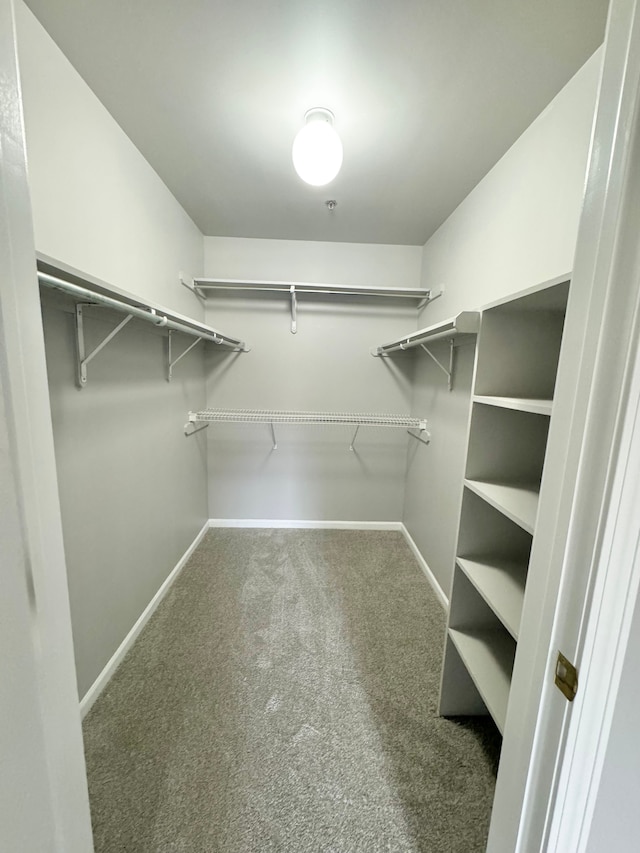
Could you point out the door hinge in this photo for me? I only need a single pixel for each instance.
(566, 677)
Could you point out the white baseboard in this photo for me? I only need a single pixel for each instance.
(425, 568)
(305, 525)
(102, 680)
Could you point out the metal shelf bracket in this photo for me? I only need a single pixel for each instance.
(448, 372)
(294, 310)
(191, 429)
(353, 440)
(171, 364)
(82, 359)
(425, 432)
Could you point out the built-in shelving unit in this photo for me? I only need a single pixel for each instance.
(517, 358)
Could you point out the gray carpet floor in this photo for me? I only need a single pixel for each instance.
(283, 698)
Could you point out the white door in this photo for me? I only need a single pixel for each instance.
(43, 791)
(586, 585)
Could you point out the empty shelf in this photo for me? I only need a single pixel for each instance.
(520, 404)
(501, 583)
(488, 655)
(519, 503)
(260, 286)
(266, 416)
(465, 323)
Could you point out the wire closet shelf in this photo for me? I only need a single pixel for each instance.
(266, 416)
(269, 416)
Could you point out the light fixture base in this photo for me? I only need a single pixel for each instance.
(319, 114)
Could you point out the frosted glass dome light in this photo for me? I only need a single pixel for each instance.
(317, 149)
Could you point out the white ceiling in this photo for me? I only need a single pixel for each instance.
(427, 94)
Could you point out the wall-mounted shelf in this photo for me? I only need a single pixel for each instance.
(293, 289)
(271, 417)
(465, 323)
(455, 330)
(87, 292)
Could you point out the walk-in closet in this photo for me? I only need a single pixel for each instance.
(315, 475)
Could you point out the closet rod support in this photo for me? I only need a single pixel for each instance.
(294, 309)
(419, 437)
(171, 364)
(448, 373)
(82, 358)
(273, 437)
(353, 440)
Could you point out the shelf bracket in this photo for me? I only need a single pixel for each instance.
(273, 437)
(172, 364)
(191, 429)
(353, 440)
(191, 285)
(294, 309)
(429, 298)
(448, 373)
(82, 359)
(418, 437)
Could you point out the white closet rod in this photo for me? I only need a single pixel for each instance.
(150, 315)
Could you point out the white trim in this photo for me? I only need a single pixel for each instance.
(607, 633)
(444, 601)
(305, 525)
(114, 662)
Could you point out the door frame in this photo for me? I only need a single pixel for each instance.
(43, 776)
(588, 523)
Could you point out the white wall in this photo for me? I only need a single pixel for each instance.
(361, 264)
(97, 204)
(517, 228)
(326, 366)
(132, 487)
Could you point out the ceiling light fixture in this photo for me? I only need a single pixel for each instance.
(317, 149)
